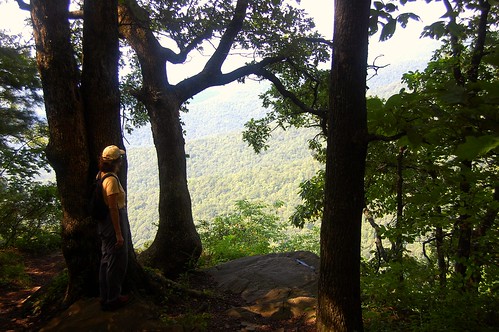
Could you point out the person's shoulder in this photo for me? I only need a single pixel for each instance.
(111, 176)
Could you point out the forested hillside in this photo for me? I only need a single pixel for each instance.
(221, 170)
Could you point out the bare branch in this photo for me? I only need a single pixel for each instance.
(214, 65)
(288, 94)
(376, 67)
(478, 50)
(373, 138)
(76, 14)
(320, 40)
(23, 5)
(206, 79)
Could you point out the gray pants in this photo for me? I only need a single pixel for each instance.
(114, 261)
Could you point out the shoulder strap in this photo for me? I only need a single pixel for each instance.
(108, 175)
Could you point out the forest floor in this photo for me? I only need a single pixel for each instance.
(40, 271)
(214, 312)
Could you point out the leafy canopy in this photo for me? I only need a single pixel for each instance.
(29, 210)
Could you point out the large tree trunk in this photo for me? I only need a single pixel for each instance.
(177, 243)
(398, 242)
(101, 96)
(442, 266)
(81, 123)
(67, 149)
(464, 229)
(339, 305)
(100, 82)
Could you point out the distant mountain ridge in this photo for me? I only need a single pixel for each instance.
(215, 111)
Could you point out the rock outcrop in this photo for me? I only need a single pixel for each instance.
(277, 286)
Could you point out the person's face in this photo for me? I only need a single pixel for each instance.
(118, 164)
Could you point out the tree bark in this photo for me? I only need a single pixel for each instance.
(380, 249)
(101, 97)
(442, 266)
(398, 242)
(177, 243)
(464, 229)
(83, 115)
(339, 305)
(100, 82)
(67, 148)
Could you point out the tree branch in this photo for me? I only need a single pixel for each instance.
(309, 76)
(288, 94)
(214, 64)
(75, 14)
(320, 40)
(478, 50)
(379, 240)
(375, 67)
(23, 5)
(205, 79)
(456, 50)
(134, 25)
(374, 138)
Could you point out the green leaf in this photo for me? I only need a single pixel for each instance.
(373, 22)
(435, 30)
(374, 104)
(388, 30)
(403, 19)
(378, 5)
(403, 141)
(454, 94)
(394, 101)
(390, 7)
(492, 57)
(414, 137)
(477, 146)
(454, 28)
(492, 89)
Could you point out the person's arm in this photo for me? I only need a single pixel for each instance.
(112, 201)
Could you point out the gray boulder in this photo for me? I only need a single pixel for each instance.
(280, 286)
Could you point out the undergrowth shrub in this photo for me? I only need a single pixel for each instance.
(30, 215)
(406, 296)
(249, 230)
(252, 229)
(12, 269)
(43, 241)
(306, 238)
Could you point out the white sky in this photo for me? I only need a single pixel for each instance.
(11, 18)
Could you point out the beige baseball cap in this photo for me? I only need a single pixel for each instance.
(112, 152)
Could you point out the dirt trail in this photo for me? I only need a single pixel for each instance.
(275, 297)
(40, 269)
